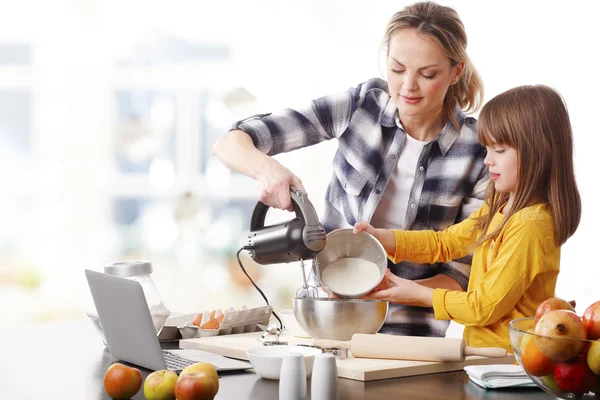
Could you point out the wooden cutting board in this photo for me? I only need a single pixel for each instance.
(360, 369)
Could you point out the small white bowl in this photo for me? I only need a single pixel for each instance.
(266, 360)
(291, 323)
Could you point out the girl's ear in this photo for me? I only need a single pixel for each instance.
(457, 71)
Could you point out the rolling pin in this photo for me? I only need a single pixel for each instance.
(410, 347)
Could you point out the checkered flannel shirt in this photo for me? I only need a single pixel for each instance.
(449, 183)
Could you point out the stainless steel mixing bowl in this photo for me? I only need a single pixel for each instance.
(339, 319)
(345, 244)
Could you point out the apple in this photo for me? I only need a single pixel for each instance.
(548, 380)
(574, 377)
(205, 367)
(593, 357)
(160, 385)
(591, 321)
(195, 386)
(553, 303)
(554, 327)
(122, 381)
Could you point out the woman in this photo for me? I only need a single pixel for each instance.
(408, 157)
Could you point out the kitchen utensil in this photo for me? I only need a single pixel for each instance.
(541, 368)
(298, 239)
(323, 383)
(339, 319)
(291, 324)
(344, 243)
(266, 360)
(411, 348)
(292, 378)
(306, 290)
(360, 369)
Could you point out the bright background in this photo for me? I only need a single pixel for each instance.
(109, 109)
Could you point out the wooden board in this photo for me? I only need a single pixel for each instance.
(360, 369)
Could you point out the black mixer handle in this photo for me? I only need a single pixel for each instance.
(302, 207)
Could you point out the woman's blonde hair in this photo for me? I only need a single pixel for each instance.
(535, 122)
(443, 25)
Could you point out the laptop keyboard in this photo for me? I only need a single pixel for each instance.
(175, 362)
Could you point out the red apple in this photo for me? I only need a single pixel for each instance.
(554, 327)
(574, 377)
(553, 303)
(195, 386)
(160, 385)
(591, 321)
(121, 381)
(205, 367)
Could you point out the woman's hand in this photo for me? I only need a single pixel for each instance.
(401, 290)
(274, 181)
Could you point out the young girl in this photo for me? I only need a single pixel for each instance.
(532, 207)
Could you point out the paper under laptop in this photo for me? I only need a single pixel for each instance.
(130, 333)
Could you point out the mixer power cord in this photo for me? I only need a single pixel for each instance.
(254, 284)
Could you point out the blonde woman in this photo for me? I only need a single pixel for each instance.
(407, 158)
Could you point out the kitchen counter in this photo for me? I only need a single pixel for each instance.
(67, 360)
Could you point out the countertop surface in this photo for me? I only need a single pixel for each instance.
(67, 360)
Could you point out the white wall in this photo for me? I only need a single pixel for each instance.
(286, 52)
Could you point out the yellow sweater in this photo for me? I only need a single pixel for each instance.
(510, 276)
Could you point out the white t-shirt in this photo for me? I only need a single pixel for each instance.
(391, 211)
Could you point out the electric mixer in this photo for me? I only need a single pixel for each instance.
(304, 238)
(299, 239)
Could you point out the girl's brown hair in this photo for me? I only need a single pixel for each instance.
(443, 25)
(535, 122)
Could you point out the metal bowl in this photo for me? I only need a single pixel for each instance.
(345, 244)
(339, 319)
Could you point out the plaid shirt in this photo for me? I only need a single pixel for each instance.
(449, 184)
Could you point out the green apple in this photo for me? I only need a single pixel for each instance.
(548, 380)
(593, 357)
(160, 385)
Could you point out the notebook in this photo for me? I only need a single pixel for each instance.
(129, 331)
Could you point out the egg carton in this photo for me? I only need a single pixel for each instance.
(234, 322)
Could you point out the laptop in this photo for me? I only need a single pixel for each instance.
(129, 331)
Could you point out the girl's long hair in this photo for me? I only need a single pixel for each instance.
(533, 120)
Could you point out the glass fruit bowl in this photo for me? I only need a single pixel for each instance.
(563, 367)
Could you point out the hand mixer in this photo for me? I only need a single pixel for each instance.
(296, 240)
(299, 239)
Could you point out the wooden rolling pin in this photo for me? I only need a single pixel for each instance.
(410, 348)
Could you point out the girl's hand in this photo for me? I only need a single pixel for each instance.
(401, 291)
(384, 284)
(385, 236)
(274, 181)
(364, 227)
